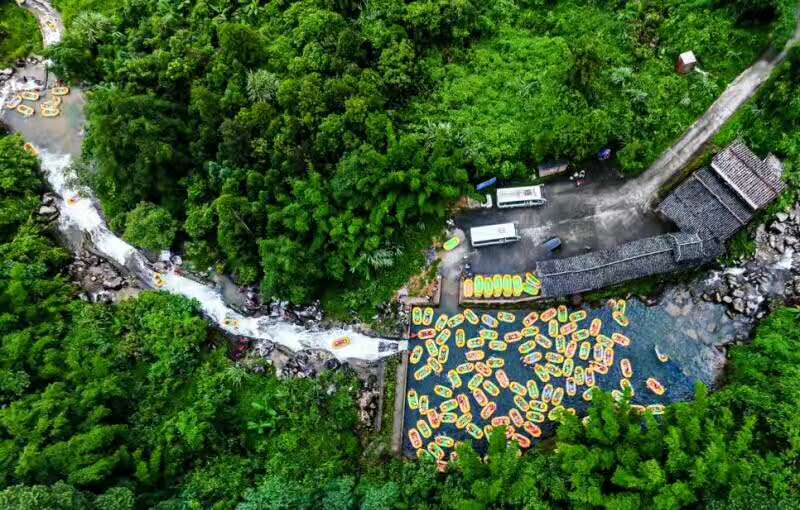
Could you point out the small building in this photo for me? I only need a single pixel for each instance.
(552, 168)
(716, 202)
(523, 196)
(708, 208)
(493, 234)
(686, 62)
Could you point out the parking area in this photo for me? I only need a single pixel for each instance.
(585, 218)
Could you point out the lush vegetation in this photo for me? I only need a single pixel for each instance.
(112, 407)
(137, 406)
(71, 9)
(19, 33)
(307, 144)
(569, 79)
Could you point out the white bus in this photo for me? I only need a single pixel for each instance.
(493, 234)
(525, 196)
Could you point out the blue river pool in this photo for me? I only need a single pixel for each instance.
(649, 326)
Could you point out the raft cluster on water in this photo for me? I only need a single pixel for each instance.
(473, 373)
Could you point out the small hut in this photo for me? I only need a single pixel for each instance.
(553, 168)
(686, 62)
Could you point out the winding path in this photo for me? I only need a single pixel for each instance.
(80, 211)
(645, 188)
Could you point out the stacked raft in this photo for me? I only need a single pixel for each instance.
(563, 349)
(500, 286)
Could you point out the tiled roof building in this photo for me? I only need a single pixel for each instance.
(708, 209)
(757, 181)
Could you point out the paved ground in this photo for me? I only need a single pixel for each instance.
(571, 213)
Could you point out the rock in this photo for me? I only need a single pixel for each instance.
(103, 297)
(727, 299)
(332, 364)
(738, 293)
(782, 216)
(48, 212)
(738, 305)
(367, 406)
(48, 199)
(778, 227)
(114, 283)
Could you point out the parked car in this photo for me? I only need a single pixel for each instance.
(553, 243)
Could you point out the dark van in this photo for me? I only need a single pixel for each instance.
(553, 243)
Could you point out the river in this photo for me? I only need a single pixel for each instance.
(81, 221)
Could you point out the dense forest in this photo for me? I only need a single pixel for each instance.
(307, 143)
(19, 34)
(137, 405)
(310, 145)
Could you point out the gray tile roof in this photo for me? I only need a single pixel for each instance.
(706, 205)
(707, 210)
(687, 246)
(757, 182)
(604, 268)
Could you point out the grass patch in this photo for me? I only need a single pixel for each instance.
(19, 33)
(423, 284)
(359, 302)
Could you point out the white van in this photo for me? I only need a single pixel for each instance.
(493, 234)
(524, 196)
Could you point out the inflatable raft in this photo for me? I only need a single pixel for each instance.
(30, 149)
(416, 316)
(340, 343)
(497, 285)
(655, 386)
(24, 110)
(478, 287)
(451, 244)
(29, 95)
(471, 317)
(468, 288)
(49, 113)
(12, 103)
(507, 317)
(441, 322)
(416, 355)
(516, 283)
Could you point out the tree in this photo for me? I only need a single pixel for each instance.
(150, 226)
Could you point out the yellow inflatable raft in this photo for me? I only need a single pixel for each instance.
(29, 95)
(24, 110)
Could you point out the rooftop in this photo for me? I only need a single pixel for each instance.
(708, 209)
(757, 181)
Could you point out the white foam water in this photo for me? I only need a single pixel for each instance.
(79, 210)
